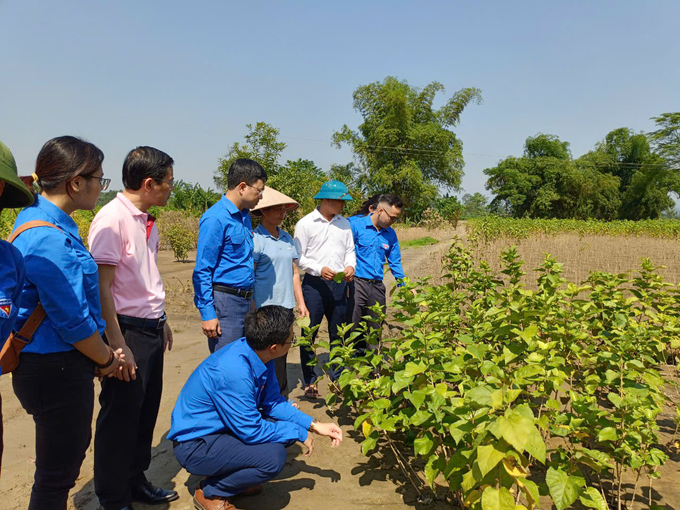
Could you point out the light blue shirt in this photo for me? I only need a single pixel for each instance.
(62, 275)
(224, 254)
(274, 271)
(233, 391)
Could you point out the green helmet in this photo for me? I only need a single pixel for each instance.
(16, 193)
(333, 190)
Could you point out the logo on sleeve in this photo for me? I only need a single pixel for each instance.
(386, 246)
(5, 309)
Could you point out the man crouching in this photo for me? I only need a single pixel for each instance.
(230, 423)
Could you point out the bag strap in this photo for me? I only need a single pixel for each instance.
(29, 225)
(36, 318)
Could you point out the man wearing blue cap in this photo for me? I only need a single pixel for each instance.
(325, 247)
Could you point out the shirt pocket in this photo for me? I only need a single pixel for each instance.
(90, 275)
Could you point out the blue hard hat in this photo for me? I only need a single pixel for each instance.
(333, 190)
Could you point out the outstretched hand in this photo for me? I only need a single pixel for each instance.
(331, 430)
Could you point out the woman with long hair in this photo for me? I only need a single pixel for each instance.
(54, 379)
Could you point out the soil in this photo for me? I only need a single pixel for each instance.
(342, 476)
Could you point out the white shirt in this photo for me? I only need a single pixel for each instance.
(321, 243)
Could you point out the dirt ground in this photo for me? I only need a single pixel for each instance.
(341, 475)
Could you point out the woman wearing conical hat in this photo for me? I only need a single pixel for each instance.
(13, 193)
(277, 281)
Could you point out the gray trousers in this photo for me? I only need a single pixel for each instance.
(366, 294)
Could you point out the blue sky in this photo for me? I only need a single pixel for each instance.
(187, 77)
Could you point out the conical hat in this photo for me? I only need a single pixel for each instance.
(271, 197)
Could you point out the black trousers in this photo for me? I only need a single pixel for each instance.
(58, 391)
(124, 432)
(324, 298)
(367, 294)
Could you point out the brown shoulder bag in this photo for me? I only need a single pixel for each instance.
(9, 356)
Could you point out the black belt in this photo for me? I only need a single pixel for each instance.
(247, 294)
(369, 280)
(136, 322)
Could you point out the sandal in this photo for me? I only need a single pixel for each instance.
(311, 391)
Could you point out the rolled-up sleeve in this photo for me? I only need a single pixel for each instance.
(210, 239)
(277, 407)
(57, 272)
(236, 405)
(105, 241)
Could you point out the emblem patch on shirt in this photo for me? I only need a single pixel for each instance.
(386, 246)
(5, 309)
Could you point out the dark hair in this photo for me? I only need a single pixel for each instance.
(391, 200)
(142, 163)
(365, 207)
(63, 158)
(245, 170)
(267, 326)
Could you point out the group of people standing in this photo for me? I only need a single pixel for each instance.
(104, 316)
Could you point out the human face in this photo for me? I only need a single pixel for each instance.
(275, 214)
(251, 193)
(88, 188)
(334, 206)
(387, 215)
(160, 189)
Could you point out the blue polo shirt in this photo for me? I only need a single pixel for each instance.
(373, 248)
(62, 275)
(224, 254)
(226, 393)
(12, 273)
(274, 270)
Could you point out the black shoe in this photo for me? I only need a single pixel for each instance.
(147, 493)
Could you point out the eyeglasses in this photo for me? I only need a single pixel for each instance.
(170, 183)
(103, 181)
(392, 218)
(259, 191)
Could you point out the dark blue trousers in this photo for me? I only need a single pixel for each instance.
(323, 298)
(229, 465)
(231, 311)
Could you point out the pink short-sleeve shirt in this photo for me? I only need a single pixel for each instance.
(118, 237)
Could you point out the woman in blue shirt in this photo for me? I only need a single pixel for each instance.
(13, 193)
(54, 379)
(277, 281)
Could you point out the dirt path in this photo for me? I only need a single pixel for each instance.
(342, 476)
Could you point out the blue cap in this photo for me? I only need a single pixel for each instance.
(333, 190)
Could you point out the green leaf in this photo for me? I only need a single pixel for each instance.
(423, 445)
(592, 498)
(369, 443)
(514, 428)
(420, 417)
(488, 457)
(414, 369)
(615, 399)
(416, 398)
(529, 333)
(360, 419)
(401, 381)
(480, 395)
(382, 403)
(564, 488)
(338, 277)
(607, 434)
(535, 444)
(495, 499)
(331, 398)
(530, 490)
(477, 350)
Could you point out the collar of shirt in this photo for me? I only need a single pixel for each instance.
(254, 360)
(317, 216)
(61, 219)
(130, 206)
(232, 209)
(264, 232)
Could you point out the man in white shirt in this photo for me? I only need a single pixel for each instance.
(325, 246)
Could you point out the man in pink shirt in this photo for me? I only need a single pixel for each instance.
(124, 242)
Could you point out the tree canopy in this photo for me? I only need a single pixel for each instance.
(405, 145)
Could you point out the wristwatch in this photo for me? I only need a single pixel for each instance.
(311, 425)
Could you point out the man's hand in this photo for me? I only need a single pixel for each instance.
(309, 443)
(327, 273)
(128, 365)
(329, 430)
(414, 292)
(302, 310)
(167, 337)
(349, 274)
(211, 328)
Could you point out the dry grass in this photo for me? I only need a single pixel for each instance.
(581, 255)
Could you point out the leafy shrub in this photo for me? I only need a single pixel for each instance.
(181, 241)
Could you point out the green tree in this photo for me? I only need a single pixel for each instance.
(106, 197)
(405, 145)
(474, 206)
(192, 198)
(666, 140)
(261, 144)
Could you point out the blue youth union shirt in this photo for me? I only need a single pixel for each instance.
(62, 275)
(12, 273)
(224, 254)
(373, 248)
(226, 393)
(274, 268)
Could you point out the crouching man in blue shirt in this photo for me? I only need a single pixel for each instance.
(231, 425)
